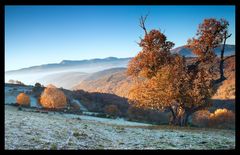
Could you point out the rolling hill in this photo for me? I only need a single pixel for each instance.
(66, 80)
(63, 71)
(113, 81)
(119, 83)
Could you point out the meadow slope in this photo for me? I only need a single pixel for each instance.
(25, 129)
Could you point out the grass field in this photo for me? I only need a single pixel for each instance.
(25, 129)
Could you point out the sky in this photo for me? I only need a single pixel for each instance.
(36, 35)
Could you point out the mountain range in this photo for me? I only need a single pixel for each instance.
(229, 50)
(69, 73)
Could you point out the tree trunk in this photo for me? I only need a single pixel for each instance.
(173, 118)
(179, 117)
(186, 119)
(221, 65)
(222, 77)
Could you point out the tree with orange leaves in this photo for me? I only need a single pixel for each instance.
(174, 89)
(169, 83)
(23, 99)
(211, 33)
(155, 53)
(53, 98)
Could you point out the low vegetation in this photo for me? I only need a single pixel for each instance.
(220, 118)
(31, 130)
(23, 99)
(113, 106)
(53, 98)
(112, 110)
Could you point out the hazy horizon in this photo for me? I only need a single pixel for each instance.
(67, 60)
(78, 60)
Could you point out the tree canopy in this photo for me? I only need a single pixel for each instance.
(169, 82)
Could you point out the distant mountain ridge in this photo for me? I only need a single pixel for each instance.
(77, 62)
(229, 50)
(74, 64)
(67, 72)
(116, 62)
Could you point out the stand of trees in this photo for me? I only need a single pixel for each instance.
(167, 82)
(15, 82)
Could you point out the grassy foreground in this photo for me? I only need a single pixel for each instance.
(25, 129)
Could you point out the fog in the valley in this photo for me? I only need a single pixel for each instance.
(65, 77)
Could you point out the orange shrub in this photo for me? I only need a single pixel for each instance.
(223, 118)
(201, 118)
(220, 118)
(23, 99)
(52, 97)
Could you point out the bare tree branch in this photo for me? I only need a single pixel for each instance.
(142, 23)
(228, 36)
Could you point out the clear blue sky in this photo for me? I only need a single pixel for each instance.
(37, 35)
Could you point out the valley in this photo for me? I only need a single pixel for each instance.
(120, 77)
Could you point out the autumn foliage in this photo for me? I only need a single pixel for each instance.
(209, 35)
(220, 118)
(52, 97)
(23, 99)
(155, 53)
(167, 82)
